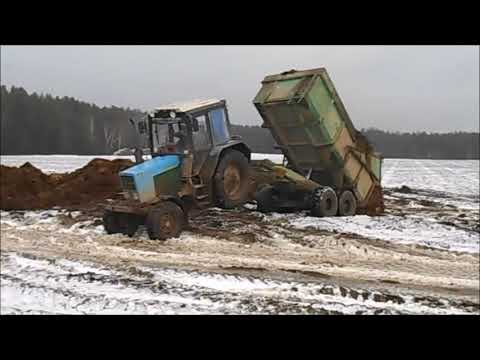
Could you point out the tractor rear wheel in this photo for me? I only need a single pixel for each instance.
(165, 221)
(325, 202)
(232, 180)
(347, 204)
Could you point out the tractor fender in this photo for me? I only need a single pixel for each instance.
(210, 166)
(174, 199)
(240, 147)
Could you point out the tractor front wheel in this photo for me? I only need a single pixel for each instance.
(165, 221)
(111, 222)
(115, 223)
(232, 180)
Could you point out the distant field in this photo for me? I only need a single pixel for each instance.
(453, 176)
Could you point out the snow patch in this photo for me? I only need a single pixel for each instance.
(408, 230)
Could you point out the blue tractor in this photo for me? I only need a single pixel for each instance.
(194, 163)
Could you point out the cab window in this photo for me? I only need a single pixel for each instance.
(218, 122)
(201, 138)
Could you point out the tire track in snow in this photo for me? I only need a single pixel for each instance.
(34, 285)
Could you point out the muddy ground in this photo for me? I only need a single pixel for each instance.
(238, 261)
(28, 188)
(242, 261)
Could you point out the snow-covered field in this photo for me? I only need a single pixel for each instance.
(38, 286)
(439, 211)
(459, 177)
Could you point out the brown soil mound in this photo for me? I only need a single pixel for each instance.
(24, 187)
(27, 187)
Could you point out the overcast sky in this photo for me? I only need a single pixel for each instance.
(404, 88)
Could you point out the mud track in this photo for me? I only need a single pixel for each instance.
(42, 286)
(242, 261)
(245, 244)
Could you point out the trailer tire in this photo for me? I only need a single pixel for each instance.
(232, 180)
(347, 204)
(325, 202)
(165, 221)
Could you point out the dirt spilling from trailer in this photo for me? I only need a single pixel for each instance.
(28, 188)
(375, 205)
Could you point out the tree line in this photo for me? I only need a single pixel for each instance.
(43, 124)
(422, 145)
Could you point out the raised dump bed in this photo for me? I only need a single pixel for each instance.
(310, 124)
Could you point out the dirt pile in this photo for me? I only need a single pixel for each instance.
(262, 172)
(24, 187)
(27, 187)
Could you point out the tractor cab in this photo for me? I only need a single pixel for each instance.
(195, 163)
(189, 130)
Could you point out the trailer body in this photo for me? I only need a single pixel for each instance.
(312, 128)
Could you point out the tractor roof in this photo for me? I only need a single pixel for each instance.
(188, 105)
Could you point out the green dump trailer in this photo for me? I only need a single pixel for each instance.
(307, 119)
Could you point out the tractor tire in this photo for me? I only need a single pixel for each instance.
(111, 222)
(265, 200)
(347, 204)
(165, 221)
(325, 202)
(129, 224)
(119, 223)
(232, 180)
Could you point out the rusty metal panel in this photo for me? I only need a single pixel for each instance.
(352, 167)
(343, 143)
(364, 185)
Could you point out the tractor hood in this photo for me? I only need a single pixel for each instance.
(139, 180)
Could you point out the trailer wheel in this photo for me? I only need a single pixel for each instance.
(232, 180)
(347, 204)
(265, 200)
(165, 221)
(111, 222)
(325, 202)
